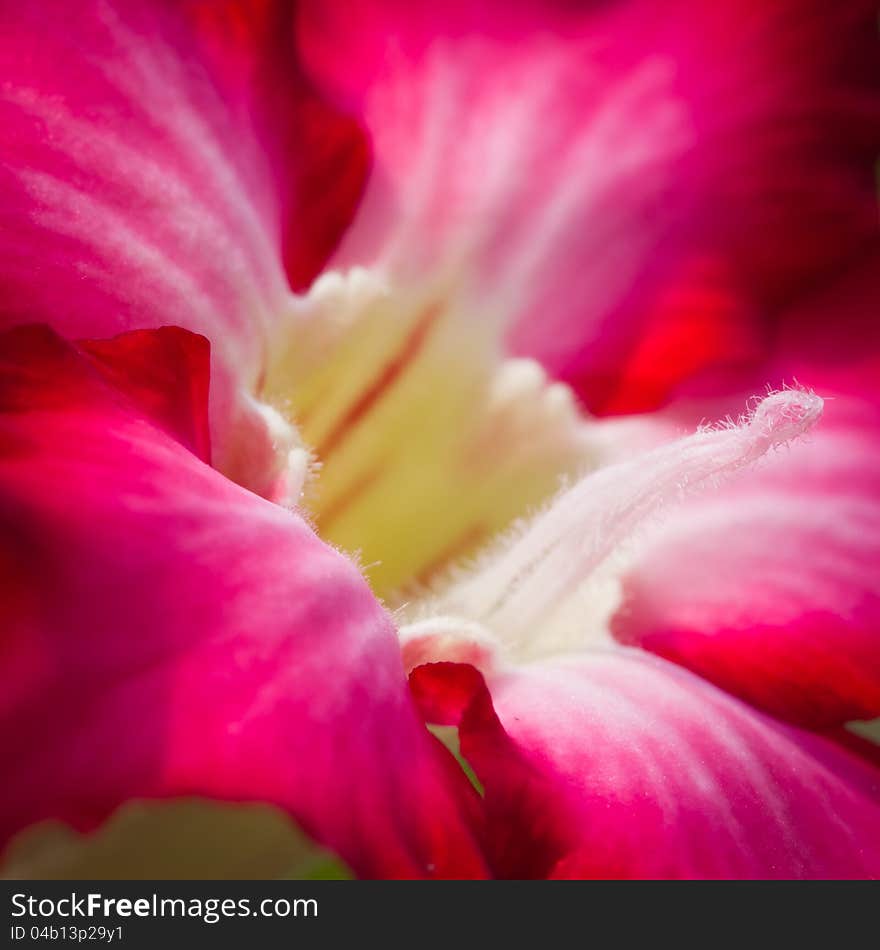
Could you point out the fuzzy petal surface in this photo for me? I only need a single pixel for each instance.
(621, 765)
(630, 188)
(167, 633)
(165, 163)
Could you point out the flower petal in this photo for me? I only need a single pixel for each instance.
(167, 633)
(770, 586)
(585, 169)
(620, 764)
(832, 339)
(161, 164)
(554, 585)
(828, 341)
(427, 439)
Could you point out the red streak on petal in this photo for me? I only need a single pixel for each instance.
(412, 346)
(464, 543)
(348, 497)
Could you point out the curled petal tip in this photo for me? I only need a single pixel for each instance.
(784, 416)
(567, 557)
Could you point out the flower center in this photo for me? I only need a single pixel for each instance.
(426, 440)
(553, 586)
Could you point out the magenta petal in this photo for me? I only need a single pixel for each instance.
(163, 163)
(165, 372)
(619, 764)
(832, 339)
(166, 632)
(770, 586)
(634, 185)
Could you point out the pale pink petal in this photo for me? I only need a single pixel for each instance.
(629, 187)
(619, 764)
(166, 632)
(554, 583)
(770, 585)
(163, 163)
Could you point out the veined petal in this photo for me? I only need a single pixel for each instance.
(784, 610)
(427, 440)
(616, 180)
(770, 586)
(164, 163)
(554, 585)
(165, 632)
(621, 765)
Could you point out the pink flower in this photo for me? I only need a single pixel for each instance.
(422, 244)
(168, 633)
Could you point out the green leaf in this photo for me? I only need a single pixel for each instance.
(869, 729)
(448, 735)
(180, 839)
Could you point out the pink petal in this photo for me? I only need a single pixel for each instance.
(832, 339)
(166, 632)
(166, 372)
(553, 584)
(634, 186)
(619, 764)
(828, 341)
(770, 586)
(163, 164)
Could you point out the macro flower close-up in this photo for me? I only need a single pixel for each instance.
(440, 440)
